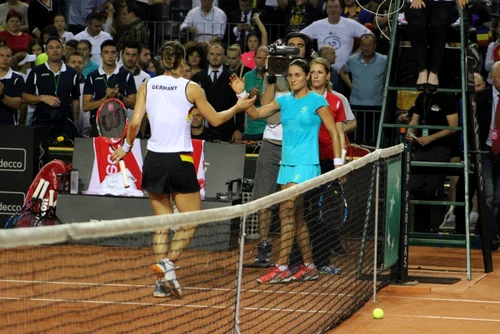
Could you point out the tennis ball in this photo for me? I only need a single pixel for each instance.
(378, 313)
(60, 139)
(41, 59)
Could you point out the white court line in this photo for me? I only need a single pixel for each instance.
(85, 301)
(186, 288)
(443, 299)
(447, 318)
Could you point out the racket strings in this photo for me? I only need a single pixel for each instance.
(112, 120)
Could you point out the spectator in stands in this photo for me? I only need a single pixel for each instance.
(18, 6)
(299, 13)
(21, 63)
(155, 68)
(254, 129)
(11, 88)
(234, 61)
(367, 69)
(78, 13)
(493, 53)
(336, 31)
(144, 61)
(253, 42)
(328, 52)
(35, 47)
(433, 146)
(354, 12)
(240, 22)
(130, 56)
(206, 22)
(488, 105)
(69, 47)
(107, 82)
(47, 32)
(198, 129)
(84, 48)
(135, 30)
(94, 34)
(302, 113)
(215, 81)
(194, 57)
(60, 24)
(187, 74)
(15, 38)
(41, 14)
(439, 15)
(75, 61)
(54, 89)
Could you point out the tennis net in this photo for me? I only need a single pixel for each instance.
(96, 276)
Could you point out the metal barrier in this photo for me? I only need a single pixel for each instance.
(161, 31)
(367, 130)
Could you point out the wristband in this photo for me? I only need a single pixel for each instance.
(242, 94)
(126, 147)
(338, 162)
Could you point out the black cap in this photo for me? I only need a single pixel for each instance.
(54, 38)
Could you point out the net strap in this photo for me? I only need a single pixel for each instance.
(108, 228)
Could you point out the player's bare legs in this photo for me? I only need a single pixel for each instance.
(162, 205)
(183, 236)
(302, 232)
(287, 216)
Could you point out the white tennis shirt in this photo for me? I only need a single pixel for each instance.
(169, 113)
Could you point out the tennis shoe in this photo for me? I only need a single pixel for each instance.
(329, 270)
(275, 275)
(263, 253)
(165, 271)
(304, 273)
(160, 291)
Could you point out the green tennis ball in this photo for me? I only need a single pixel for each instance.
(378, 313)
(41, 59)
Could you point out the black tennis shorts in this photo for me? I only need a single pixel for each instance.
(169, 173)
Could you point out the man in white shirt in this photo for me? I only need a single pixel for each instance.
(94, 34)
(206, 22)
(197, 3)
(336, 31)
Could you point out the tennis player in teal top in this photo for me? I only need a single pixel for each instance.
(302, 112)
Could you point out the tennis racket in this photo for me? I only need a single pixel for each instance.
(112, 124)
(49, 216)
(30, 214)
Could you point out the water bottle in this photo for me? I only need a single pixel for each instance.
(73, 187)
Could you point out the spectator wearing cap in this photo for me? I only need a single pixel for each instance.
(41, 14)
(18, 6)
(15, 38)
(54, 90)
(11, 88)
(94, 34)
(21, 64)
(336, 31)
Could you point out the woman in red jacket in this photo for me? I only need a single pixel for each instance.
(15, 38)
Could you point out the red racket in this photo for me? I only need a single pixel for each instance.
(112, 124)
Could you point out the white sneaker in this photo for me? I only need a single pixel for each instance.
(165, 271)
(474, 216)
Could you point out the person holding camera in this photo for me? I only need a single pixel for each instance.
(301, 114)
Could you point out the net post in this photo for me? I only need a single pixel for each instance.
(236, 328)
(405, 217)
(375, 237)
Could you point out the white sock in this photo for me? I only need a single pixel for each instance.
(282, 268)
(310, 265)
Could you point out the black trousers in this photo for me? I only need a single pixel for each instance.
(428, 187)
(439, 16)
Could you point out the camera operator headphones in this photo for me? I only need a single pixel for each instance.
(307, 40)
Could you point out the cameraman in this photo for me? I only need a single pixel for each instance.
(268, 162)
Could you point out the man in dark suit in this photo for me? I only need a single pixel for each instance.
(488, 111)
(215, 81)
(240, 23)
